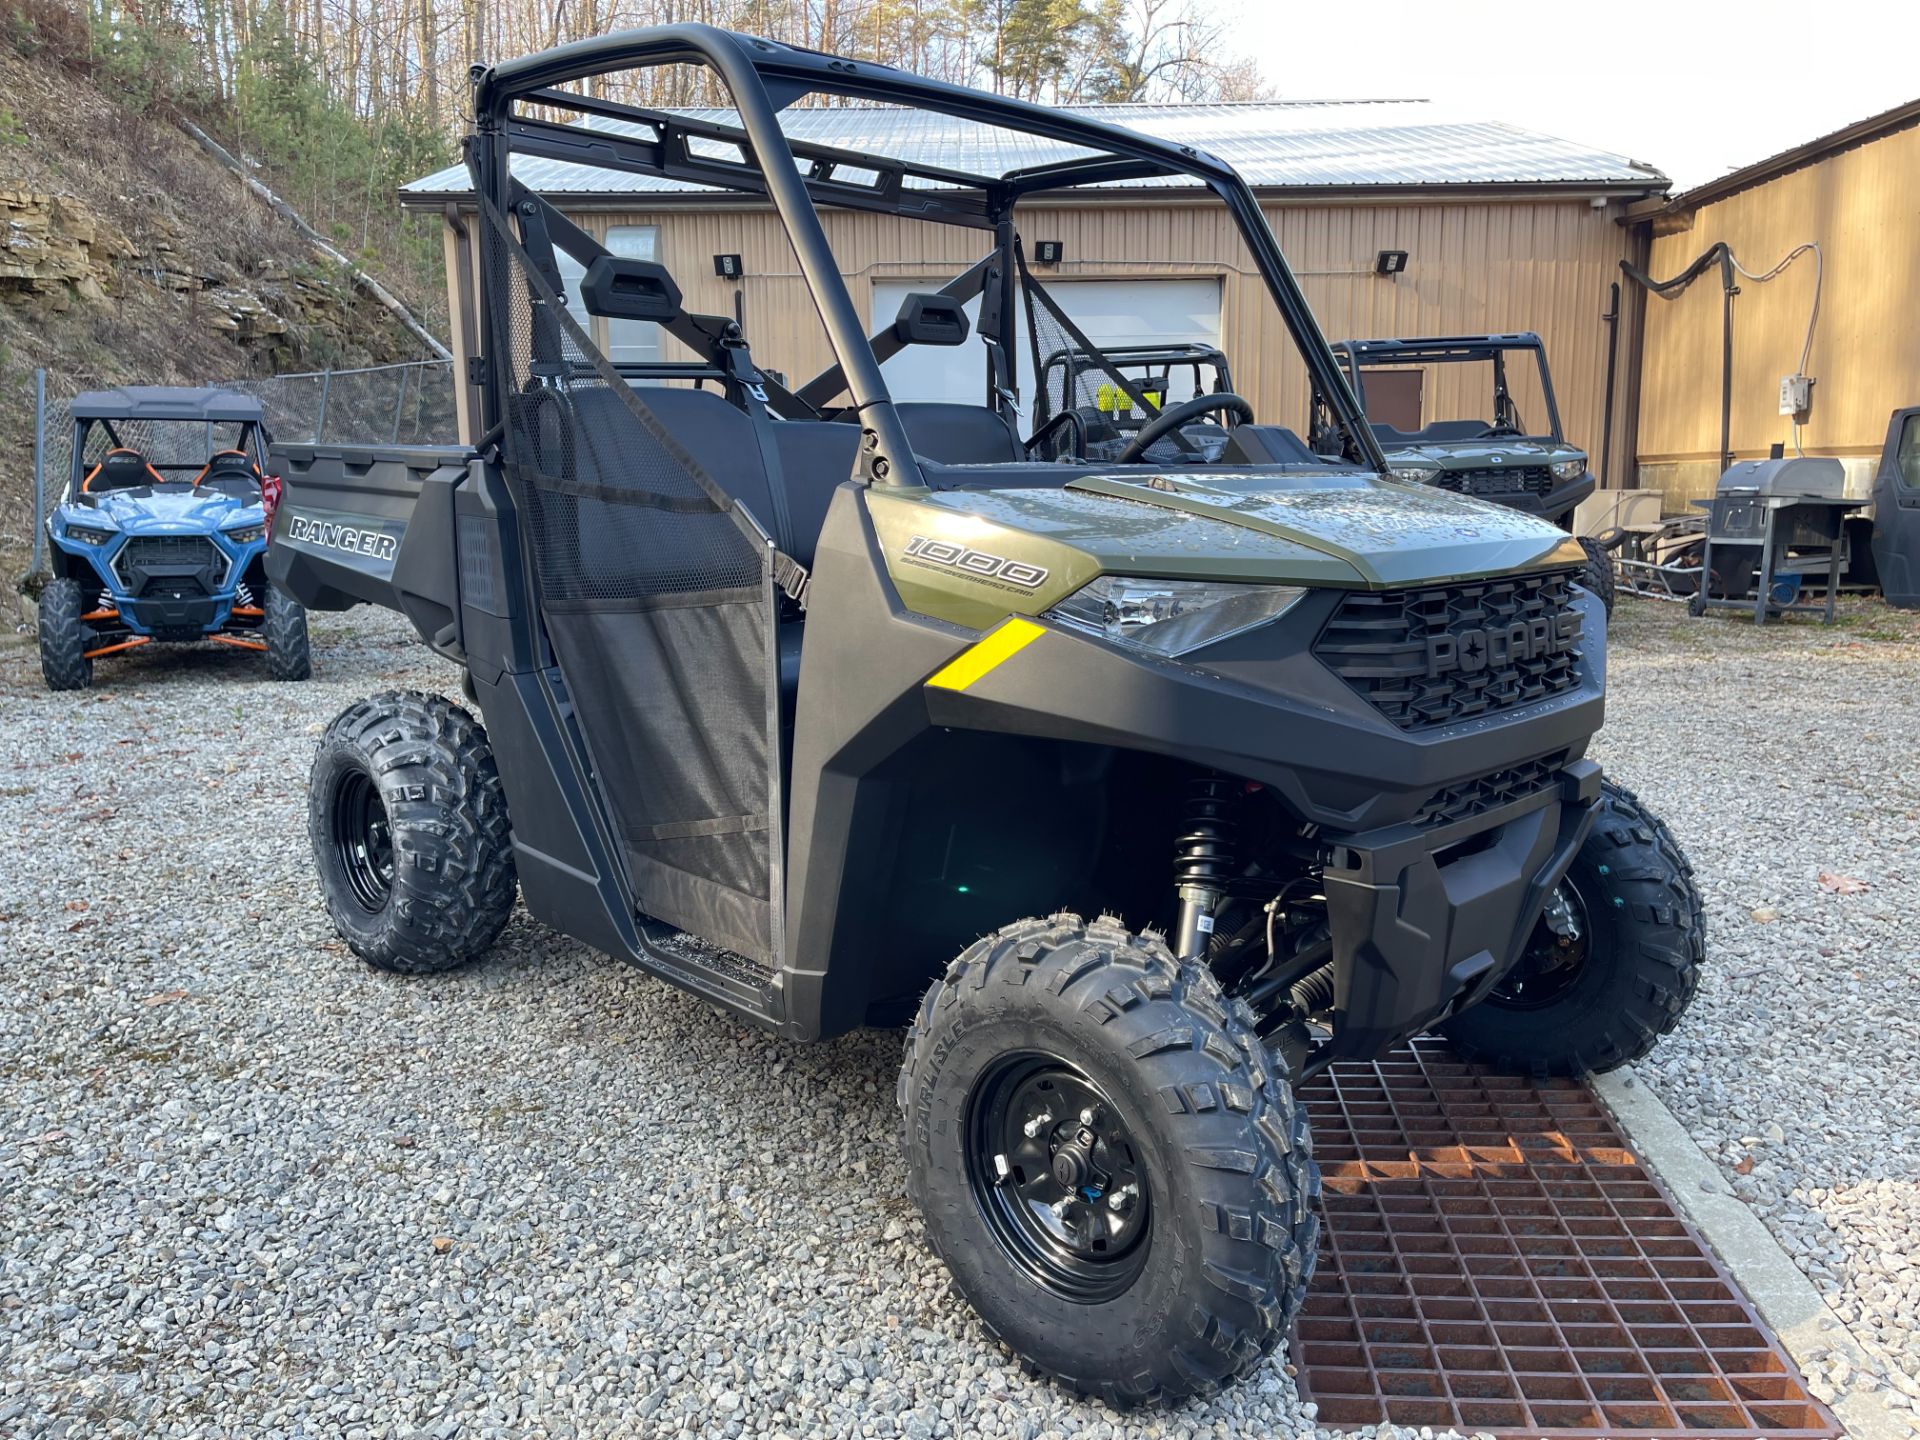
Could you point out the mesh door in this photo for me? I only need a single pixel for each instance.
(657, 594)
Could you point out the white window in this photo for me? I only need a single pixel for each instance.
(632, 342)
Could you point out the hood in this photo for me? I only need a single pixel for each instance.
(167, 510)
(1380, 533)
(971, 555)
(1479, 454)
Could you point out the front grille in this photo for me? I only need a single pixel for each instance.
(1456, 652)
(1476, 797)
(1497, 480)
(169, 563)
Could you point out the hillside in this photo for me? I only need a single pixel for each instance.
(127, 255)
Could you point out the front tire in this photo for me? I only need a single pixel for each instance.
(1180, 1240)
(409, 828)
(284, 627)
(1611, 968)
(1597, 573)
(64, 636)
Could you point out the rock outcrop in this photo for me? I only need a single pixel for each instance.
(54, 245)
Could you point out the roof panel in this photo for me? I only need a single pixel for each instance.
(1281, 144)
(163, 402)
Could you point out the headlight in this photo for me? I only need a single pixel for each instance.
(1414, 474)
(88, 537)
(246, 534)
(1169, 617)
(1569, 469)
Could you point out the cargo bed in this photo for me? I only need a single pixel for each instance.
(374, 525)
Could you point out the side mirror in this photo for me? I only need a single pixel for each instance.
(926, 319)
(617, 288)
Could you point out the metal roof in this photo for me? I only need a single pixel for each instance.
(1295, 145)
(1809, 152)
(163, 402)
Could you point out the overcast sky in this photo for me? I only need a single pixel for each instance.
(1709, 87)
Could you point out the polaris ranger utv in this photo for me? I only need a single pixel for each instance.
(1503, 460)
(843, 711)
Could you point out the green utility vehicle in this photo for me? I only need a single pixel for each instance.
(1137, 790)
(1503, 459)
(1075, 381)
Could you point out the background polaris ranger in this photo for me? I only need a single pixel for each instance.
(791, 694)
(1502, 459)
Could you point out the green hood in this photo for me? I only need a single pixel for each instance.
(1482, 454)
(1337, 529)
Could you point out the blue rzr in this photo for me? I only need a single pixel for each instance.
(161, 534)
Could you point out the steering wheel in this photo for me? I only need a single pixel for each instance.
(1171, 419)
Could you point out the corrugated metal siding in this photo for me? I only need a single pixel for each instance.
(1473, 267)
(1863, 209)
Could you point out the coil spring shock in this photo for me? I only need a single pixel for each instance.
(1204, 859)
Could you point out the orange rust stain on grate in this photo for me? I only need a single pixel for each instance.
(1495, 1258)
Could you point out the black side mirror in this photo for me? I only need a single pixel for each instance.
(927, 319)
(617, 288)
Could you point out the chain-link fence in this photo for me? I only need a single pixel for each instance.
(410, 404)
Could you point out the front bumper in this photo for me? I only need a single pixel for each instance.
(187, 617)
(1425, 920)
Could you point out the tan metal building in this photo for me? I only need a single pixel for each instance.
(1855, 194)
(1503, 230)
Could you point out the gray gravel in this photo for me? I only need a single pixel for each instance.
(1779, 757)
(251, 1187)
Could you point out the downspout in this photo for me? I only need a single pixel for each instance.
(1612, 320)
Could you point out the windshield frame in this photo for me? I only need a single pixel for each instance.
(1356, 357)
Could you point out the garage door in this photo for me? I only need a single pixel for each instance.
(1111, 312)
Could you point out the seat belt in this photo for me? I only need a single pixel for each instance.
(744, 377)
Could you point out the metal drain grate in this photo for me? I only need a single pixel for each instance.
(1494, 1258)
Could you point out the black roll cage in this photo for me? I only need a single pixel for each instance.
(253, 440)
(762, 78)
(1355, 357)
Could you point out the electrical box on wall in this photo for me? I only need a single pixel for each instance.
(1796, 394)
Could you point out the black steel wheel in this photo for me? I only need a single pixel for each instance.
(1058, 1177)
(1555, 956)
(1613, 963)
(409, 828)
(1109, 1160)
(363, 841)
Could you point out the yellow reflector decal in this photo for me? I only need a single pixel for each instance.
(1010, 639)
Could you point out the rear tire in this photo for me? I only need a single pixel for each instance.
(1189, 1283)
(289, 656)
(410, 835)
(1637, 965)
(64, 636)
(1597, 574)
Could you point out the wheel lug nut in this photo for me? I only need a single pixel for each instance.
(1061, 1206)
(1121, 1200)
(1039, 1123)
(1089, 1115)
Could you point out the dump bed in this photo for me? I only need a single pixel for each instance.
(362, 524)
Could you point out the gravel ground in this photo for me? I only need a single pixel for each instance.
(1785, 761)
(252, 1187)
